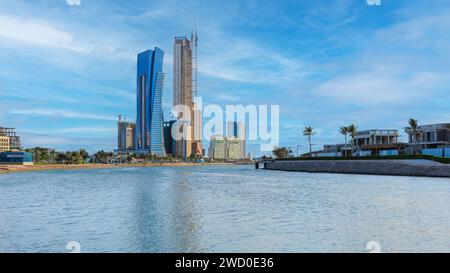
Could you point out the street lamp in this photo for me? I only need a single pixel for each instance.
(298, 146)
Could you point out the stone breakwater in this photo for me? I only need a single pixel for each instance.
(373, 167)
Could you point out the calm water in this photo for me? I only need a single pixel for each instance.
(221, 209)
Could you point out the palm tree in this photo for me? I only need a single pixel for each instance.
(309, 132)
(352, 129)
(413, 123)
(344, 130)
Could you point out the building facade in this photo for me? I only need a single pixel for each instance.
(125, 135)
(217, 148)
(149, 118)
(236, 131)
(183, 94)
(14, 143)
(432, 139)
(168, 139)
(4, 143)
(377, 142)
(224, 148)
(16, 158)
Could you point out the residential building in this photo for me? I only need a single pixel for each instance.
(377, 142)
(4, 143)
(184, 90)
(149, 119)
(14, 139)
(433, 139)
(126, 135)
(218, 148)
(236, 130)
(224, 148)
(233, 149)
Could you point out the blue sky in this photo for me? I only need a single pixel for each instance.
(67, 72)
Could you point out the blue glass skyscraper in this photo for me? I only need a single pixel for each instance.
(149, 118)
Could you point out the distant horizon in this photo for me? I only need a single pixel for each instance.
(68, 71)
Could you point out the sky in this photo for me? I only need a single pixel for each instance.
(67, 71)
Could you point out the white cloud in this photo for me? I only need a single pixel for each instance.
(39, 34)
(73, 2)
(61, 113)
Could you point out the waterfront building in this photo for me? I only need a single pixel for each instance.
(149, 119)
(4, 143)
(432, 139)
(224, 148)
(14, 139)
(126, 135)
(168, 139)
(236, 132)
(233, 149)
(16, 158)
(377, 142)
(184, 91)
(217, 147)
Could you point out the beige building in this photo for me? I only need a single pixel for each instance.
(4, 144)
(236, 132)
(126, 135)
(217, 147)
(225, 148)
(184, 89)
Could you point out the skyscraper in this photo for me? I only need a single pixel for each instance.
(149, 118)
(184, 90)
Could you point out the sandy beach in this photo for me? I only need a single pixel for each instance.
(44, 167)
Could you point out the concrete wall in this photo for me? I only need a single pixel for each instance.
(375, 167)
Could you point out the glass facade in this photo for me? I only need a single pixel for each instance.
(16, 158)
(149, 117)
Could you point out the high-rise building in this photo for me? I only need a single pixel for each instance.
(218, 147)
(236, 130)
(4, 143)
(149, 118)
(126, 135)
(184, 90)
(168, 139)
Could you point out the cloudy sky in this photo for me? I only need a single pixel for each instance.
(68, 71)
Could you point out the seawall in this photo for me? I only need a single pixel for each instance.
(374, 167)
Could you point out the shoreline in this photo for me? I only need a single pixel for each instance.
(421, 168)
(5, 169)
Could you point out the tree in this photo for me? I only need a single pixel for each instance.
(344, 130)
(280, 152)
(309, 132)
(352, 130)
(84, 154)
(414, 124)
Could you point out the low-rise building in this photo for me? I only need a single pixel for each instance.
(16, 158)
(377, 142)
(432, 139)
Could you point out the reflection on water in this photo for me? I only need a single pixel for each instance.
(221, 209)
